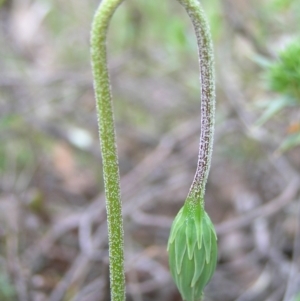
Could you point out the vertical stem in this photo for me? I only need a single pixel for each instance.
(207, 83)
(108, 147)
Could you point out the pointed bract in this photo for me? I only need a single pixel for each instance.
(192, 251)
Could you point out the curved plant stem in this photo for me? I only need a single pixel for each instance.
(108, 147)
(192, 263)
(107, 131)
(207, 81)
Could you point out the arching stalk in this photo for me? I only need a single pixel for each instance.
(207, 84)
(192, 244)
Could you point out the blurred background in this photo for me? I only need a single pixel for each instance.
(53, 240)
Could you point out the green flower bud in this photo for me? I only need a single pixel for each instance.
(192, 251)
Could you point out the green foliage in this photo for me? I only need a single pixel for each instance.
(284, 74)
(273, 107)
(289, 142)
(283, 77)
(192, 250)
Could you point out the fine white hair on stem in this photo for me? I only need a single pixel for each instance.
(108, 147)
(207, 88)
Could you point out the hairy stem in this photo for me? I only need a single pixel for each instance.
(207, 81)
(108, 147)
